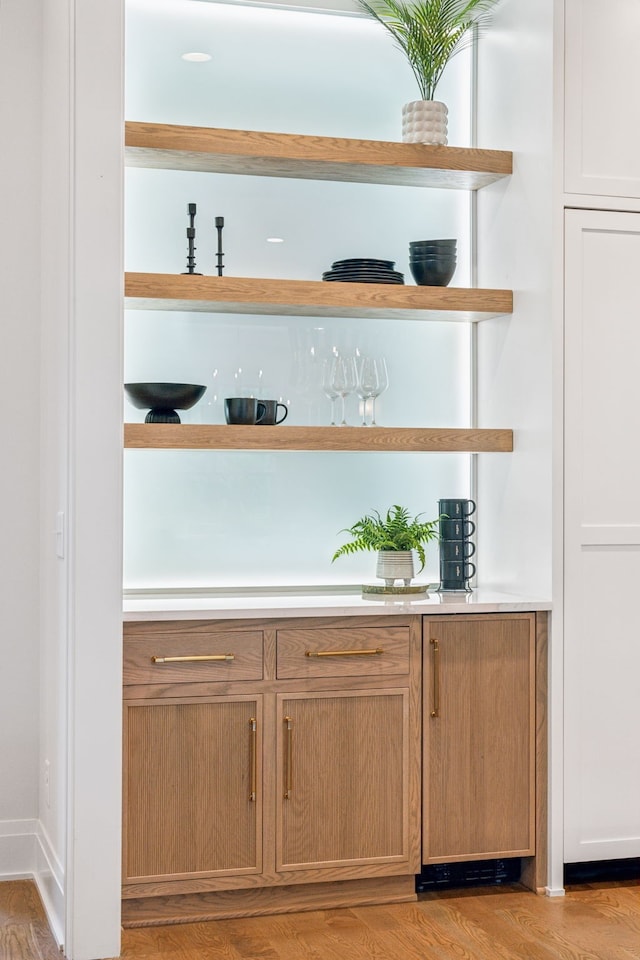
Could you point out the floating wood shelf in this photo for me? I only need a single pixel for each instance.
(212, 150)
(189, 436)
(312, 298)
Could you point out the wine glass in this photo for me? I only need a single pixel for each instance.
(328, 388)
(344, 377)
(383, 383)
(368, 383)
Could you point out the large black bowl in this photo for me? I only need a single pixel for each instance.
(435, 273)
(163, 399)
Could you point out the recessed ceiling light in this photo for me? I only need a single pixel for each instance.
(275, 239)
(196, 57)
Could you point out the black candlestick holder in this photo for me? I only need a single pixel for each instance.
(191, 241)
(219, 254)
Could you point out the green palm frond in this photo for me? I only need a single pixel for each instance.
(429, 32)
(397, 530)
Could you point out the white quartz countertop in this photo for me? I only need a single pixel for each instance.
(213, 605)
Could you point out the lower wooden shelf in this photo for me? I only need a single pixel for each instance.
(191, 436)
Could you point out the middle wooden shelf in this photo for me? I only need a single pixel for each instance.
(205, 436)
(312, 298)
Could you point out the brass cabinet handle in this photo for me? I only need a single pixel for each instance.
(253, 726)
(289, 752)
(344, 653)
(435, 646)
(205, 659)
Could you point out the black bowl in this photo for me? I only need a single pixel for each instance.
(432, 243)
(432, 274)
(163, 399)
(436, 261)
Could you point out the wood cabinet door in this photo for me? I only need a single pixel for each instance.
(192, 788)
(479, 737)
(344, 779)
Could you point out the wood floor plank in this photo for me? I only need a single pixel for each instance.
(17, 942)
(20, 902)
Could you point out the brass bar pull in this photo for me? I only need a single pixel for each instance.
(344, 653)
(289, 770)
(436, 677)
(253, 726)
(205, 659)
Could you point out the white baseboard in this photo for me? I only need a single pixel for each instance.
(49, 876)
(554, 891)
(26, 854)
(17, 849)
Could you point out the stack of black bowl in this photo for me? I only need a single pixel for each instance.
(364, 270)
(432, 262)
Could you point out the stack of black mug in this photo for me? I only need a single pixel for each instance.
(456, 546)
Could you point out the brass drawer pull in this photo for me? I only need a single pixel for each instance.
(288, 780)
(253, 726)
(205, 659)
(345, 653)
(435, 646)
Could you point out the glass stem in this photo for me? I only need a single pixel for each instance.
(333, 411)
(343, 422)
(373, 412)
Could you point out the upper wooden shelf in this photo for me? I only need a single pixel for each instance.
(311, 298)
(213, 150)
(191, 436)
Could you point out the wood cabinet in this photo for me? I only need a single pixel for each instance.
(270, 764)
(480, 720)
(601, 68)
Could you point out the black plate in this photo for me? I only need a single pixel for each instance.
(341, 279)
(373, 277)
(363, 272)
(364, 262)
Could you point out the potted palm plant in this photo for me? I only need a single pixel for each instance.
(395, 536)
(429, 33)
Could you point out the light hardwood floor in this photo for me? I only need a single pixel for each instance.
(593, 922)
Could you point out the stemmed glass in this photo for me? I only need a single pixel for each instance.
(344, 377)
(368, 383)
(383, 383)
(328, 388)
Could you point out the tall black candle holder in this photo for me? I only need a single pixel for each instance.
(191, 241)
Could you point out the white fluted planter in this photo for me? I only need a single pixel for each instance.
(395, 565)
(424, 121)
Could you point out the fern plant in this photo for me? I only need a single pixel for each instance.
(429, 32)
(397, 530)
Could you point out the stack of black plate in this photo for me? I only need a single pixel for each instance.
(364, 270)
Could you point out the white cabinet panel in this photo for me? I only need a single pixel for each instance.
(602, 536)
(602, 78)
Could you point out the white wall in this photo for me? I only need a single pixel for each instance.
(20, 76)
(515, 251)
(81, 232)
(243, 519)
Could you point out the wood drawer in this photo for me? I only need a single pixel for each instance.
(143, 657)
(342, 652)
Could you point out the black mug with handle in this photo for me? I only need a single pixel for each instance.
(456, 549)
(455, 509)
(244, 410)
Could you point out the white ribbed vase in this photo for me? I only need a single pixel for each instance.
(395, 565)
(424, 121)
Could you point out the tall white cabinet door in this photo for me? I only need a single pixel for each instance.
(602, 535)
(602, 80)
